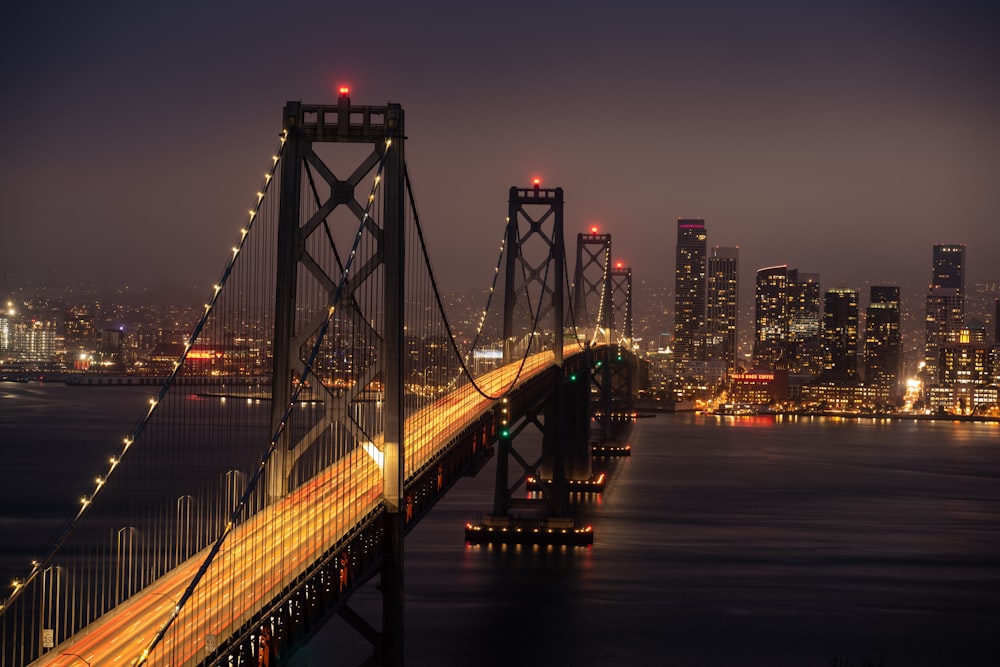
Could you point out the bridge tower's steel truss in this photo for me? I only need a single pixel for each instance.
(592, 286)
(382, 128)
(614, 376)
(541, 209)
(620, 279)
(534, 223)
(535, 269)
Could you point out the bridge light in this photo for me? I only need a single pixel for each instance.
(343, 91)
(536, 182)
(593, 229)
(618, 265)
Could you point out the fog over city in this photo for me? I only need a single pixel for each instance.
(842, 139)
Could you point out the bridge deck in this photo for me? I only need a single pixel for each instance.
(270, 550)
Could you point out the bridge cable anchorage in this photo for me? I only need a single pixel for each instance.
(444, 316)
(86, 501)
(252, 483)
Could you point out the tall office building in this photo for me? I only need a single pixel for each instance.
(945, 314)
(949, 266)
(689, 294)
(996, 321)
(965, 368)
(771, 318)
(882, 339)
(34, 340)
(721, 306)
(803, 305)
(840, 333)
(805, 352)
(6, 326)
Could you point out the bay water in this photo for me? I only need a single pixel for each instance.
(772, 541)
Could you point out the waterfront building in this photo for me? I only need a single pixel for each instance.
(689, 294)
(840, 334)
(963, 367)
(883, 342)
(787, 321)
(34, 340)
(81, 336)
(805, 351)
(721, 307)
(5, 335)
(771, 318)
(803, 305)
(839, 396)
(945, 311)
(759, 388)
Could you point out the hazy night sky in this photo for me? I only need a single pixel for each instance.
(844, 138)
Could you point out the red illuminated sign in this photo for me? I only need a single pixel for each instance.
(754, 377)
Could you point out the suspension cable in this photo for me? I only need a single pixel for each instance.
(572, 311)
(604, 295)
(279, 429)
(444, 316)
(87, 501)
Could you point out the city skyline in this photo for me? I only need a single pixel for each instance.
(139, 137)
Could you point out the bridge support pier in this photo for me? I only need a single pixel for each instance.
(614, 412)
(573, 435)
(562, 416)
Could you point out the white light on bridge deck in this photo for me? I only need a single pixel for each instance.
(376, 455)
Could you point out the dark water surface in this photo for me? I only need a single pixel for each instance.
(721, 541)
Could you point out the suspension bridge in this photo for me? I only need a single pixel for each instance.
(320, 407)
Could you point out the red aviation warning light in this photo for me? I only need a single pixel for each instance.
(618, 265)
(593, 229)
(344, 91)
(536, 182)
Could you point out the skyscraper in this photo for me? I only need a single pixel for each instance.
(882, 339)
(689, 294)
(840, 333)
(996, 321)
(771, 318)
(945, 314)
(803, 305)
(949, 266)
(721, 306)
(804, 349)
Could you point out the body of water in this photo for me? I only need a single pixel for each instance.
(721, 541)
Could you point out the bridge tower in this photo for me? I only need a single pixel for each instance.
(592, 311)
(620, 288)
(534, 296)
(614, 375)
(307, 258)
(623, 383)
(539, 254)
